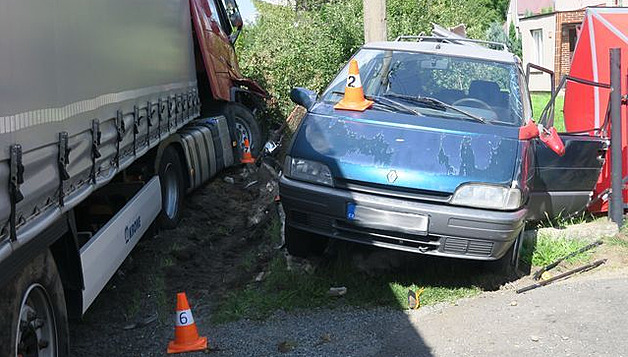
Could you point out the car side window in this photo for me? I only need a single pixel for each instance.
(525, 96)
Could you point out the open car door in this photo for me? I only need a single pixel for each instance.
(563, 185)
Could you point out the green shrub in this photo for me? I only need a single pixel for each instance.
(287, 49)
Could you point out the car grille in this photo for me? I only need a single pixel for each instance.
(468, 247)
(313, 220)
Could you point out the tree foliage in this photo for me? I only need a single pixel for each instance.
(285, 48)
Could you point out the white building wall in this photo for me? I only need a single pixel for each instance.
(539, 81)
(511, 16)
(571, 5)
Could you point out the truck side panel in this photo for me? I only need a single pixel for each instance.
(116, 239)
(66, 63)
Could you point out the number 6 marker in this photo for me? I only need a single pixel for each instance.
(185, 318)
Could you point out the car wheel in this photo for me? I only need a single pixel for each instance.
(303, 244)
(172, 188)
(33, 315)
(246, 127)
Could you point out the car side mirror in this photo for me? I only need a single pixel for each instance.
(235, 18)
(303, 97)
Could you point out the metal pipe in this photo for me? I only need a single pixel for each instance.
(617, 201)
(566, 274)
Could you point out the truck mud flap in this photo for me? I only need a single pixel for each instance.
(103, 254)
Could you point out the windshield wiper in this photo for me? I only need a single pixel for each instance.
(434, 103)
(387, 102)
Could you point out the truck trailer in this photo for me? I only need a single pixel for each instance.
(110, 112)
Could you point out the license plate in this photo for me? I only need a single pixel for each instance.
(387, 220)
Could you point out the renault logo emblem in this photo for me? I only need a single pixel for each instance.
(392, 176)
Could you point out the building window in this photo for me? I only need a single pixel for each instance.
(537, 38)
(573, 38)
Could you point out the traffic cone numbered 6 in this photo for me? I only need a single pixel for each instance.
(186, 338)
(354, 94)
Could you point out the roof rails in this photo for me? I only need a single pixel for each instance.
(454, 40)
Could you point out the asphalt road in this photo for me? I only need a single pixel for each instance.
(579, 317)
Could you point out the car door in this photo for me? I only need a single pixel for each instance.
(562, 185)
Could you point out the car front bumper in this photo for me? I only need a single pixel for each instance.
(451, 231)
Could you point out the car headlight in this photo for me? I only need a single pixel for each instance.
(308, 170)
(487, 196)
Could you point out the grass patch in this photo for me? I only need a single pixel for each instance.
(249, 260)
(289, 290)
(539, 101)
(562, 222)
(274, 232)
(548, 249)
(616, 241)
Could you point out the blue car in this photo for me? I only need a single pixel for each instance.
(436, 165)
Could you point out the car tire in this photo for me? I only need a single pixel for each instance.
(300, 243)
(172, 188)
(245, 126)
(34, 297)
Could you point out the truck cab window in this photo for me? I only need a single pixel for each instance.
(219, 16)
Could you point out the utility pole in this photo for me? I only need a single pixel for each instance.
(617, 200)
(374, 20)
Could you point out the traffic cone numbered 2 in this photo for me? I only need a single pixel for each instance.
(354, 94)
(186, 338)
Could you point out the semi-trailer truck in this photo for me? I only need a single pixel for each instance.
(110, 112)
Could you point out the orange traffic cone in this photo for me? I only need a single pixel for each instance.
(186, 338)
(247, 158)
(354, 94)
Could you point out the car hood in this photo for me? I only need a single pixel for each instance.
(401, 151)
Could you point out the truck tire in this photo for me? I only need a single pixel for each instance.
(246, 127)
(172, 188)
(304, 244)
(33, 315)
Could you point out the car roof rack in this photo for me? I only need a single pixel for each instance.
(454, 40)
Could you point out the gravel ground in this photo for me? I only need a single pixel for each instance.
(579, 317)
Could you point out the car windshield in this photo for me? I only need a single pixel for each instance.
(437, 85)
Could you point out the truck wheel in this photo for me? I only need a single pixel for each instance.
(172, 188)
(246, 127)
(303, 244)
(33, 316)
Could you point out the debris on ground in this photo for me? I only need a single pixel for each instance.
(142, 322)
(339, 291)
(261, 276)
(286, 346)
(254, 182)
(414, 298)
(566, 274)
(299, 265)
(229, 179)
